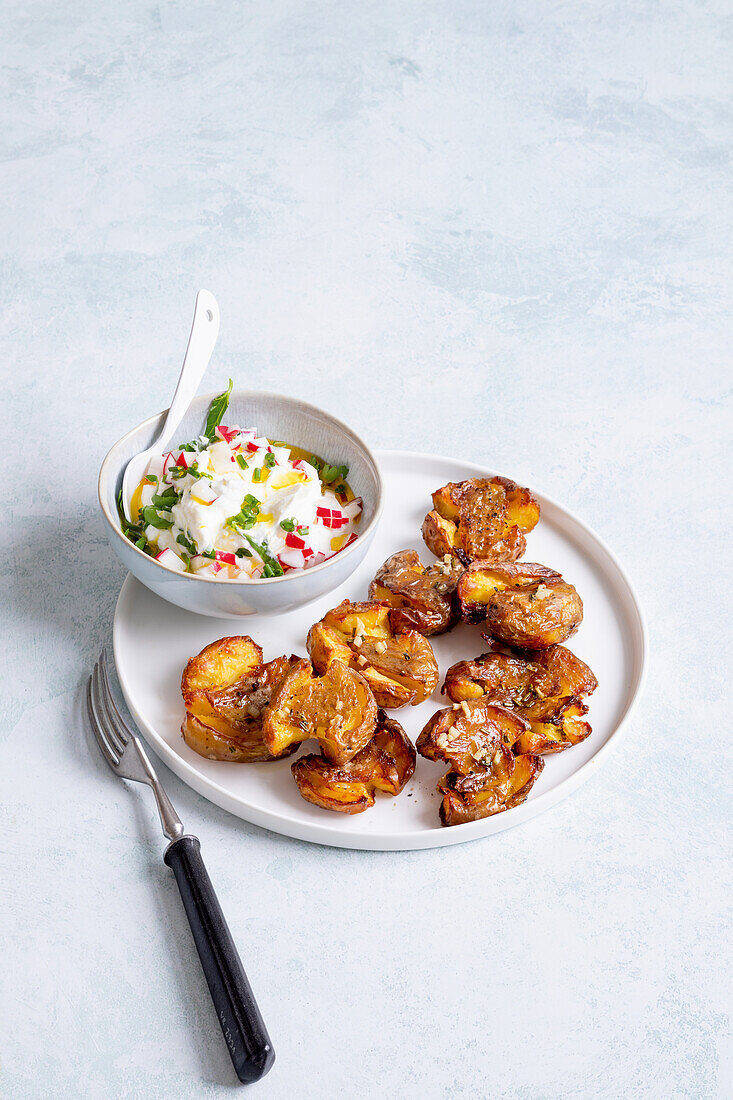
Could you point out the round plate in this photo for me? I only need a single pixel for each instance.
(153, 640)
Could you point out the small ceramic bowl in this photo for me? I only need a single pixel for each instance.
(276, 417)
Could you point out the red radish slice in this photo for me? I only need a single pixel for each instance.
(227, 434)
(169, 460)
(331, 517)
(294, 541)
(292, 558)
(252, 447)
(170, 560)
(225, 559)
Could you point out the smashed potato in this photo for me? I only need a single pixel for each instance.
(519, 679)
(489, 790)
(226, 690)
(338, 709)
(386, 764)
(420, 598)
(400, 668)
(480, 518)
(524, 604)
(470, 734)
(545, 687)
(554, 725)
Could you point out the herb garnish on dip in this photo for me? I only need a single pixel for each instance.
(233, 505)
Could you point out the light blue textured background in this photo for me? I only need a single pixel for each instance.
(494, 230)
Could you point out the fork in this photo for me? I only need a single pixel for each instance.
(239, 1017)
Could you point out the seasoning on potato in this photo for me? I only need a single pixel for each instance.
(398, 665)
(480, 518)
(385, 764)
(545, 687)
(226, 690)
(337, 709)
(505, 783)
(524, 604)
(421, 598)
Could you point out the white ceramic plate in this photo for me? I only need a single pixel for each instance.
(153, 639)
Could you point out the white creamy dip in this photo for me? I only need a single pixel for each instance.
(241, 507)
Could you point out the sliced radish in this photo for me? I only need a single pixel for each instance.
(354, 508)
(227, 434)
(295, 542)
(331, 517)
(292, 558)
(252, 447)
(169, 460)
(225, 559)
(171, 561)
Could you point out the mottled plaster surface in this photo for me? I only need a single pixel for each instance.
(497, 231)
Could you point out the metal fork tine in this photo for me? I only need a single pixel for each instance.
(103, 715)
(107, 752)
(120, 725)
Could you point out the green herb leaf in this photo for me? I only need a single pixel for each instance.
(315, 461)
(217, 408)
(209, 554)
(272, 567)
(242, 553)
(152, 519)
(331, 473)
(141, 543)
(184, 541)
(247, 515)
(167, 499)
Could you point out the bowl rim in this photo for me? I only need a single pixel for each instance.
(295, 574)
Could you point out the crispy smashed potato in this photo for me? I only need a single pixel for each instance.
(545, 687)
(386, 764)
(226, 689)
(524, 604)
(516, 678)
(554, 725)
(480, 518)
(400, 668)
(338, 709)
(470, 734)
(489, 790)
(420, 598)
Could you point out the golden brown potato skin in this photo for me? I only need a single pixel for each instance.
(469, 735)
(420, 598)
(523, 604)
(226, 690)
(246, 747)
(489, 790)
(480, 518)
(386, 764)
(399, 667)
(517, 677)
(545, 687)
(555, 724)
(338, 709)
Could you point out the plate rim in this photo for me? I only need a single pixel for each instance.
(329, 833)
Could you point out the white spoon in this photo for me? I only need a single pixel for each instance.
(204, 331)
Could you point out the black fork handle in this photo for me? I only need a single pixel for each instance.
(240, 1019)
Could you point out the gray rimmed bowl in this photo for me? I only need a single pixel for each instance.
(276, 417)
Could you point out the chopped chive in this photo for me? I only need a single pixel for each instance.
(241, 461)
(269, 460)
